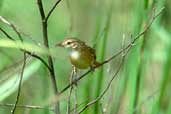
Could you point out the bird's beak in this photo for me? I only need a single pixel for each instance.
(59, 44)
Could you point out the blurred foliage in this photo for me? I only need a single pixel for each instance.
(141, 87)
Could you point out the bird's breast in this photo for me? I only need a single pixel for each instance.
(81, 59)
(75, 55)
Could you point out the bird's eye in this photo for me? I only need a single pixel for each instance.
(68, 43)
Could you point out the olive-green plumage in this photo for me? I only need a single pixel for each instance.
(81, 55)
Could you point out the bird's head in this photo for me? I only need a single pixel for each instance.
(70, 43)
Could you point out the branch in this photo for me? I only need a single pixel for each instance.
(52, 9)
(79, 105)
(19, 86)
(118, 53)
(39, 58)
(6, 34)
(28, 52)
(27, 106)
(103, 93)
(12, 26)
(45, 39)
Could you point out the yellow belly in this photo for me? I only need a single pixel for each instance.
(81, 60)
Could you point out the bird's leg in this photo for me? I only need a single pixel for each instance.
(73, 74)
(75, 71)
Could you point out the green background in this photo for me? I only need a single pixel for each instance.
(142, 85)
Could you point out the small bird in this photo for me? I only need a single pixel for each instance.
(81, 55)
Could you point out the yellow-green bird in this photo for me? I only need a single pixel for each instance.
(81, 55)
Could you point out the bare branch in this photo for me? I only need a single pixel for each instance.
(6, 34)
(12, 26)
(79, 105)
(52, 9)
(19, 86)
(28, 52)
(102, 94)
(45, 39)
(39, 58)
(27, 106)
(75, 81)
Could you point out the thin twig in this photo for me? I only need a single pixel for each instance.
(6, 34)
(52, 9)
(139, 68)
(102, 94)
(75, 81)
(118, 53)
(19, 35)
(45, 38)
(28, 52)
(46, 44)
(39, 58)
(69, 100)
(70, 92)
(26, 106)
(75, 101)
(75, 91)
(12, 26)
(19, 86)
(73, 75)
(79, 105)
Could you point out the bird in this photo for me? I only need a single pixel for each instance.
(81, 55)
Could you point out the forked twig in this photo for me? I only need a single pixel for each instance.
(46, 44)
(19, 35)
(12, 26)
(52, 9)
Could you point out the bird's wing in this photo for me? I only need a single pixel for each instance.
(92, 51)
